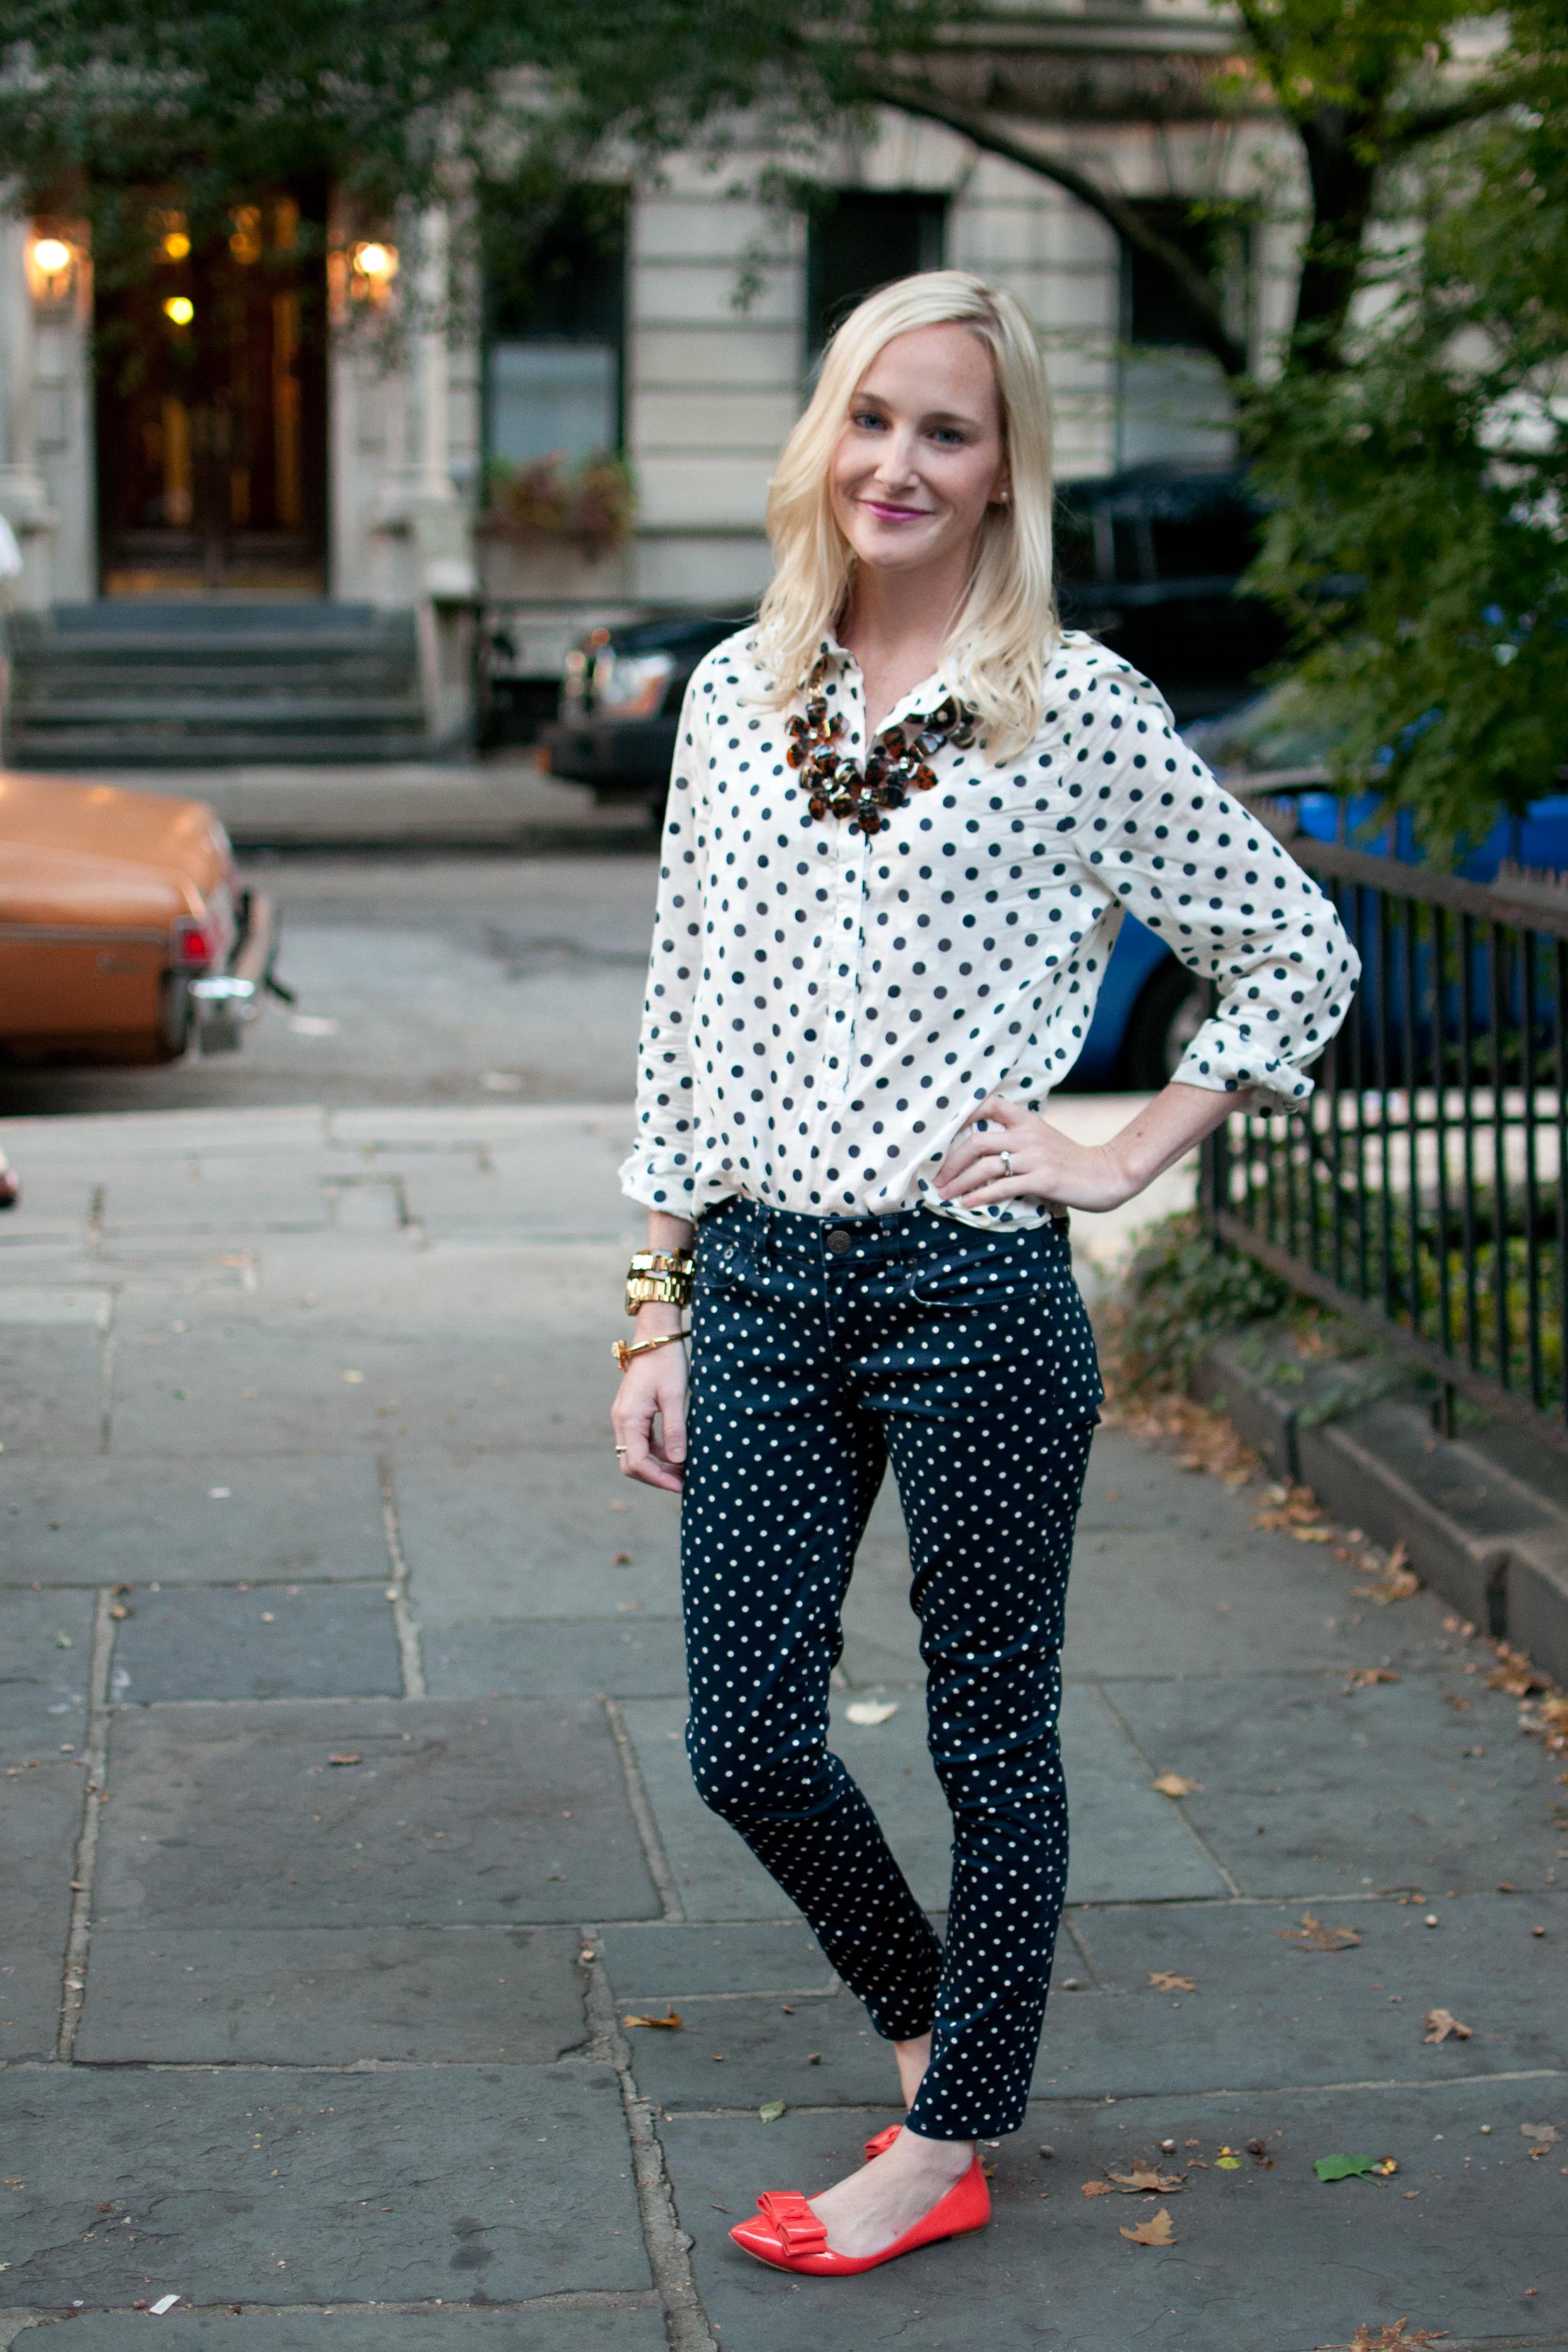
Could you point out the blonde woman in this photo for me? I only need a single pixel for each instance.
(906, 815)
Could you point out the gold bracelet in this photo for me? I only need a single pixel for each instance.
(624, 1351)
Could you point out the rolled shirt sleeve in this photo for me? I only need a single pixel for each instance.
(1166, 841)
(659, 1171)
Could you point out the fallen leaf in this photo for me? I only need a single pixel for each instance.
(1166, 1980)
(347, 1756)
(1312, 1936)
(620, 1559)
(1440, 2022)
(1171, 1784)
(1098, 2189)
(670, 2024)
(872, 1710)
(1147, 2177)
(771, 2110)
(1209, 1442)
(1345, 2168)
(1545, 2136)
(1396, 1580)
(1157, 2231)
(1363, 1677)
(1292, 1510)
(1517, 1674)
(1389, 2339)
(1313, 1535)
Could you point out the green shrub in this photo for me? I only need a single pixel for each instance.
(1178, 1294)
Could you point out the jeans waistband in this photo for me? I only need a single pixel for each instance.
(898, 1232)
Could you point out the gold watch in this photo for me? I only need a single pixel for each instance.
(658, 1278)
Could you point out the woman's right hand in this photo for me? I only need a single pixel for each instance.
(650, 1412)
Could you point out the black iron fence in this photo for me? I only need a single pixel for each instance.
(1423, 1190)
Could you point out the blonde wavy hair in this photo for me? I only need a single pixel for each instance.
(1005, 628)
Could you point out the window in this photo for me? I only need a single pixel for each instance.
(1173, 403)
(555, 321)
(860, 240)
(1155, 311)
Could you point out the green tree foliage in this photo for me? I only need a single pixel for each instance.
(1421, 489)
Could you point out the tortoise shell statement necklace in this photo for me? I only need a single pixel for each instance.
(897, 764)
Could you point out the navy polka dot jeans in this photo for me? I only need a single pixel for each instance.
(821, 1349)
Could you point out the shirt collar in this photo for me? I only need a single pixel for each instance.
(923, 698)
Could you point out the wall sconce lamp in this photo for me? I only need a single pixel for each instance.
(52, 268)
(373, 268)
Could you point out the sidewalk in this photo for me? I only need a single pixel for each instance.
(346, 1821)
(500, 801)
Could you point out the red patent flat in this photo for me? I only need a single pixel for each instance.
(785, 2234)
(882, 2141)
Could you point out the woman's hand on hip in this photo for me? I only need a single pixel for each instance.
(1005, 1152)
(648, 1416)
(1008, 1153)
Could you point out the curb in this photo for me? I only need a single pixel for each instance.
(1474, 1530)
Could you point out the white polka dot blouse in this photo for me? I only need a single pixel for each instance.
(826, 1008)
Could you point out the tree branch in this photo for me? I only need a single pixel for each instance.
(974, 124)
(1406, 131)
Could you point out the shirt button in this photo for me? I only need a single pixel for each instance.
(838, 1243)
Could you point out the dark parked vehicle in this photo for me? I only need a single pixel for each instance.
(620, 701)
(1148, 560)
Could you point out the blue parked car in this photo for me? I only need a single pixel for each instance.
(1150, 1005)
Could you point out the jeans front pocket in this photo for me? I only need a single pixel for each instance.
(981, 1269)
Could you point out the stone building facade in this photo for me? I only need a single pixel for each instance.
(696, 381)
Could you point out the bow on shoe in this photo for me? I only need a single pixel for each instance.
(791, 2218)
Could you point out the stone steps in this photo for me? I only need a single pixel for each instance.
(151, 684)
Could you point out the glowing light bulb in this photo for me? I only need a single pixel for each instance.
(52, 254)
(376, 260)
(180, 308)
(176, 245)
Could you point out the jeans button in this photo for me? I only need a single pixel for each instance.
(838, 1243)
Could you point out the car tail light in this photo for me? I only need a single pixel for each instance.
(197, 944)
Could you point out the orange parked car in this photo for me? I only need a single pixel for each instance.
(124, 934)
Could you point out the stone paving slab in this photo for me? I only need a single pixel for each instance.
(194, 1194)
(45, 1664)
(272, 1642)
(814, 2050)
(629, 1657)
(329, 1996)
(504, 1811)
(214, 1520)
(534, 1533)
(284, 2186)
(676, 1959)
(1127, 1842)
(249, 1386)
(52, 1390)
(1264, 2010)
(600, 2327)
(40, 1823)
(1308, 1787)
(1261, 2012)
(563, 1182)
(1266, 2259)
